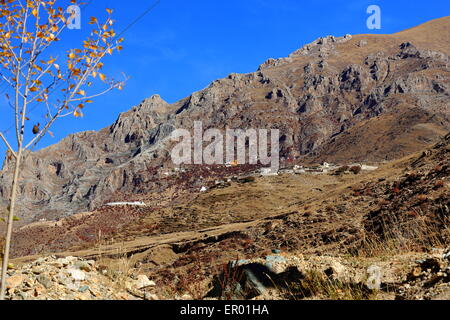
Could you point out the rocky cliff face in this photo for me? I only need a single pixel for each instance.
(366, 98)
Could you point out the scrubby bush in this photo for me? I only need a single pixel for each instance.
(341, 170)
(355, 169)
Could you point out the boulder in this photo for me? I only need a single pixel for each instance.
(143, 282)
(77, 274)
(14, 281)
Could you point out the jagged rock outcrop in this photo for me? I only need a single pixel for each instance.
(332, 99)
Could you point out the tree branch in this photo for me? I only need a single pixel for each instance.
(8, 145)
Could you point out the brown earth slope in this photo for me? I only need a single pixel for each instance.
(392, 217)
(404, 202)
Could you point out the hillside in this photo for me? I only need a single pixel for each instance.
(330, 226)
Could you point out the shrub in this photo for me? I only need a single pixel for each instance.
(355, 169)
(341, 170)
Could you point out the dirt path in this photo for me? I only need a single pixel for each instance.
(142, 244)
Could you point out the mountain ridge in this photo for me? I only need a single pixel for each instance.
(326, 90)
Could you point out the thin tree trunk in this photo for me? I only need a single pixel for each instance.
(10, 224)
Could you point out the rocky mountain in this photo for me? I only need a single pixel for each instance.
(353, 98)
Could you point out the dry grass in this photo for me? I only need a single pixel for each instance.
(118, 269)
(416, 234)
(188, 281)
(231, 276)
(316, 285)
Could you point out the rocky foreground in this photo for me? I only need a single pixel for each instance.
(72, 278)
(277, 276)
(404, 277)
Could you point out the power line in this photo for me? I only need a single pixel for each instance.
(147, 11)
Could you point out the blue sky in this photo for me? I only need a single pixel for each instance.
(181, 46)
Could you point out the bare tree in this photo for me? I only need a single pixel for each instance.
(57, 85)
